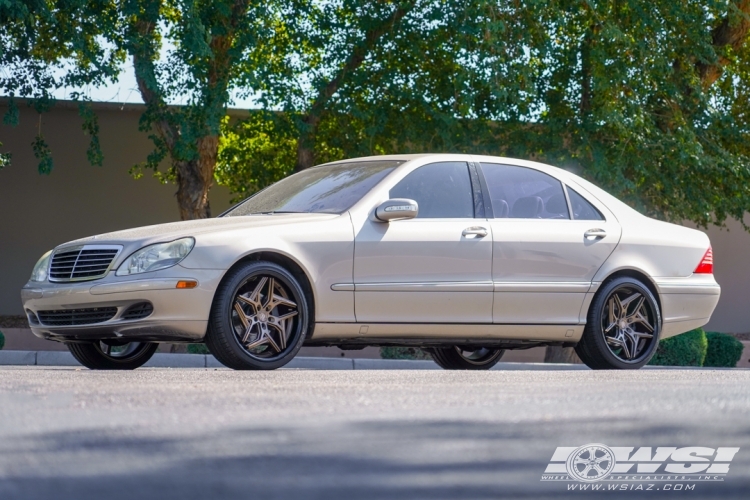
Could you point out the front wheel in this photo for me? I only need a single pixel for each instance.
(259, 318)
(459, 358)
(622, 328)
(112, 354)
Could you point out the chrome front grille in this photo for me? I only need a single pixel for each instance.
(88, 262)
(70, 317)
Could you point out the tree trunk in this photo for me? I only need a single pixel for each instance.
(195, 178)
(555, 354)
(306, 144)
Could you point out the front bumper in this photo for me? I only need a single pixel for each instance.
(179, 315)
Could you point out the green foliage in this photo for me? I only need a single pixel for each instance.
(723, 350)
(4, 158)
(43, 154)
(197, 349)
(2, 341)
(686, 349)
(615, 91)
(403, 353)
(639, 96)
(91, 127)
(255, 152)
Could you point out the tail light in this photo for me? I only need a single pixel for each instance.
(706, 265)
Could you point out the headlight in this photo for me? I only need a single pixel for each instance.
(40, 269)
(156, 257)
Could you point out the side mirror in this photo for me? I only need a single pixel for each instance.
(397, 208)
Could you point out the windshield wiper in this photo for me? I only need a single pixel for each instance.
(273, 212)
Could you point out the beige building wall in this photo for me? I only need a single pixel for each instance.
(38, 212)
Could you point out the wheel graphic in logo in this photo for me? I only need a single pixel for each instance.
(591, 462)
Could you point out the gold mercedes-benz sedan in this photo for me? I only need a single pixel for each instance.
(465, 256)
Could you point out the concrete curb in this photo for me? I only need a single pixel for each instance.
(167, 360)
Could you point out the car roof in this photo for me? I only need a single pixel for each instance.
(611, 202)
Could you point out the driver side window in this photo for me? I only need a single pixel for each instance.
(524, 193)
(442, 190)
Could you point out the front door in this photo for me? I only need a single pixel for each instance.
(435, 268)
(544, 257)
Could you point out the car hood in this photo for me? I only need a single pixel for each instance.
(174, 230)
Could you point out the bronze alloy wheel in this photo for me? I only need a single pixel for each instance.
(628, 323)
(264, 316)
(623, 326)
(259, 318)
(462, 358)
(112, 354)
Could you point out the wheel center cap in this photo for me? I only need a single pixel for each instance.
(623, 324)
(262, 317)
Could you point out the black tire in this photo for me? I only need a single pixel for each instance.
(611, 350)
(456, 358)
(101, 355)
(227, 330)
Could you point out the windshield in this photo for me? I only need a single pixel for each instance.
(329, 189)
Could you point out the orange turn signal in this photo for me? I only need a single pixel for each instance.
(186, 284)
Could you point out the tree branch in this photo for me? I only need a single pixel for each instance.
(357, 57)
(731, 32)
(305, 142)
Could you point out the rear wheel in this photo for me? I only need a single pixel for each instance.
(112, 354)
(460, 358)
(259, 318)
(623, 326)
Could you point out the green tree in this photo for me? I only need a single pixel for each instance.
(648, 99)
(191, 52)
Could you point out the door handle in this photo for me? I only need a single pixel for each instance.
(476, 231)
(595, 233)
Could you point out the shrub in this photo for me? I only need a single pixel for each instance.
(403, 353)
(2, 341)
(686, 349)
(723, 350)
(197, 349)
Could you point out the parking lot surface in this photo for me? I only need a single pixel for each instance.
(69, 433)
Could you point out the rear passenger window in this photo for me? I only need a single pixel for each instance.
(524, 193)
(442, 190)
(582, 209)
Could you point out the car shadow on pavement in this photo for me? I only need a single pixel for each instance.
(362, 459)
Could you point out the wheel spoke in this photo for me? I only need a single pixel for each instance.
(636, 310)
(241, 314)
(248, 332)
(284, 317)
(278, 300)
(254, 304)
(641, 318)
(270, 293)
(255, 296)
(260, 341)
(612, 313)
(282, 334)
(272, 341)
(625, 303)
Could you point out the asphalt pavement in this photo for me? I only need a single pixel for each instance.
(71, 433)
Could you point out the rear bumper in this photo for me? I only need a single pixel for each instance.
(179, 315)
(687, 303)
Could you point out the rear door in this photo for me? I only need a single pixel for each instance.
(548, 243)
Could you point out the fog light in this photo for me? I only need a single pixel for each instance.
(186, 284)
